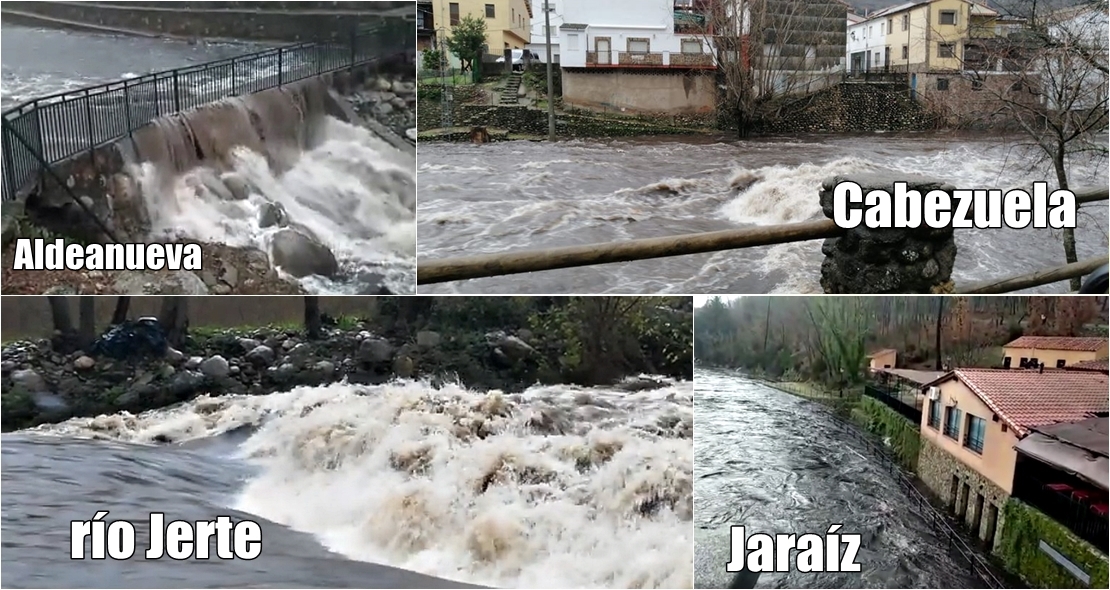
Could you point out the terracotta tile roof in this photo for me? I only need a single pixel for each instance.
(1025, 399)
(1095, 365)
(1058, 343)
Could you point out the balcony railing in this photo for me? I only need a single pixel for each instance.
(662, 59)
(1082, 511)
(894, 399)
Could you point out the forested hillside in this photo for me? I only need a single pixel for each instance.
(828, 338)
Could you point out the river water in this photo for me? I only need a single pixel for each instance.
(514, 196)
(556, 487)
(351, 191)
(777, 463)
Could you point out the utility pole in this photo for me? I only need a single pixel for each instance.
(550, 80)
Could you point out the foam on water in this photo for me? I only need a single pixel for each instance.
(556, 487)
(353, 192)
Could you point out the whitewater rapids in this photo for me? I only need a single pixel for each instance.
(555, 487)
(353, 192)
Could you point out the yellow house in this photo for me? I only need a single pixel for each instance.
(884, 359)
(508, 22)
(929, 35)
(1053, 351)
(973, 419)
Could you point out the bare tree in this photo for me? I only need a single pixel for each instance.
(312, 320)
(770, 52)
(1055, 89)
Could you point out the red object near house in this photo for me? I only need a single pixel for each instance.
(1081, 495)
(1059, 487)
(1099, 509)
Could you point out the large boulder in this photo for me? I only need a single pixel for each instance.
(215, 367)
(375, 351)
(302, 256)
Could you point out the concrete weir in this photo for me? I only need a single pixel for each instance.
(279, 123)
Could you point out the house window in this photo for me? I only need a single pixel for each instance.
(934, 414)
(454, 10)
(1034, 363)
(572, 42)
(948, 17)
(976, 430)
(942, 84)
(890, 25)
(1060, 363)
(491, 11)
(946, 50)
(1024, 363)
(905, 22)
(549, 6)
(882, 28)
(905, 52)
(952, 423)
(879, 61)
(691, 46)
(1006, 362)
(639, 45)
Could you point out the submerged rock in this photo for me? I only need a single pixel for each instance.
(302, 256)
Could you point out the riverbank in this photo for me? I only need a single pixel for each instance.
(42, 384)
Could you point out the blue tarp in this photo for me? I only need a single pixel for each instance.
(138, 338)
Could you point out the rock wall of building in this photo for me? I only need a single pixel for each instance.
(960, 488)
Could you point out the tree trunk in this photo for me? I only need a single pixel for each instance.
(87, 330)
(312, 316)
(1070, 255)
(174, 317)
(59, 314)
(123, 305)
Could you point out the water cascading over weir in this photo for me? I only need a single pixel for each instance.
(263, 153)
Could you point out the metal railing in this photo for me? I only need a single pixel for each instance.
(1079, 517)
(895, 400)
(54, 128)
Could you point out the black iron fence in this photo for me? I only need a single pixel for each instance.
(894, 399)
(1086, 517)
(53, 128)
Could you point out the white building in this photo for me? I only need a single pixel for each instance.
(866, 43)
(633, 33)
(539, 28)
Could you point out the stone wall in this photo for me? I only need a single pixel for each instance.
(958, 487)
(275, 21)
(523, 120)
(917, 260)
(1020, 550)
(626, 91)
(853, 107)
